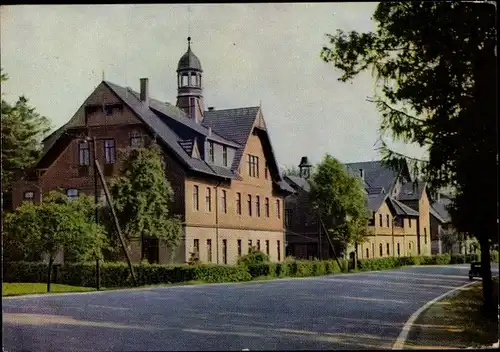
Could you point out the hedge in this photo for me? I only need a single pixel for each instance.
(118, 275)
(298, 268)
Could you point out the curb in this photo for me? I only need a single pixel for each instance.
(403, 336)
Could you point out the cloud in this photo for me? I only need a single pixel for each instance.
(55, 55)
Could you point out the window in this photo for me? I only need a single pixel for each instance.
(258, 245)
(267, 247)
(373, 250)
(239, 248)
(208, 199)
(109, 151)
(257, 206)
(211, 156)
(425, 235)
(266, 172)
(224, 251)
(192, 108)
(278, 208)
(279, 250)
(367, 253)
(398, 250)
(380, 220)
(409, 246)
(135, 140)
(288, 217)
(388, 221)
(196, 246)
(249, 245)
(72, 193)
(388, 249)
(409, 222)
(249, 205)
(224, 201)
(380, 250)
(29, 195)
(267, 206)
(371, 221)
(185, 81)
(209, 251)
(238, 203)
(196, 201)
(194, 80)
(84, 153)
(253, 166)
(224, 155)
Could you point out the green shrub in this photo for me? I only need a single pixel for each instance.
(25, 271)
(262, 269)
(254, 256)
(282, 269)
(403, 261)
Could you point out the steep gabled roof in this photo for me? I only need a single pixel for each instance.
(402, 209)
(234, 124)
(411, 190)
(375, 201)
(178, 133)
(376, 174)
(439, 211)
(299, 182)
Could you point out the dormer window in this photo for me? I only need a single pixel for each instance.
(72, 193)
(184, 80)
(224, 155)
(135, 140)
(29, 195)
(211, 156)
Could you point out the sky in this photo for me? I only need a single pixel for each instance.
(251, 54)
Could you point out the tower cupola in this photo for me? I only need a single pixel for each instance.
(189, 85)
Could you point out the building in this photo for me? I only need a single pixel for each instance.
(399, 224)
(444, 237)
(220, 163)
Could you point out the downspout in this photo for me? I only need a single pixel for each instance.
(217, 220)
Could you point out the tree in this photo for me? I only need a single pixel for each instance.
(142, 197)
(292, 171)
(22, 132)
(435, 66)
(341, 201)
(54, 225)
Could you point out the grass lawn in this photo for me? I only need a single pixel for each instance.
(455, 322)
(21, 288)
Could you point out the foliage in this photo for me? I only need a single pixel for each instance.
(341, 201)
(118, 274)
(291, 171)
(194, 258)
(22, 132)
(142, 197)
(254, 256)
(435, 66)
(56, 224)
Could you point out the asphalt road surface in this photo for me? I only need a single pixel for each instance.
(353, 311)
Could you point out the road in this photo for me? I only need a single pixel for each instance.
(351, 311)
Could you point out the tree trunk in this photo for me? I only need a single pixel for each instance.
(356, 256)
(51, 261)
(488, 301)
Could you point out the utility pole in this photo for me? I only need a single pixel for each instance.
(96, 203)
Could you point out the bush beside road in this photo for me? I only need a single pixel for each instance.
(117, 275)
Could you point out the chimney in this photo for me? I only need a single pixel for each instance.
(145, 90)
(210, 131)
(362, 174)
(438, 197)
(210, 108)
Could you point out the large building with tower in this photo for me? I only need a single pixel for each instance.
(220, 163)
